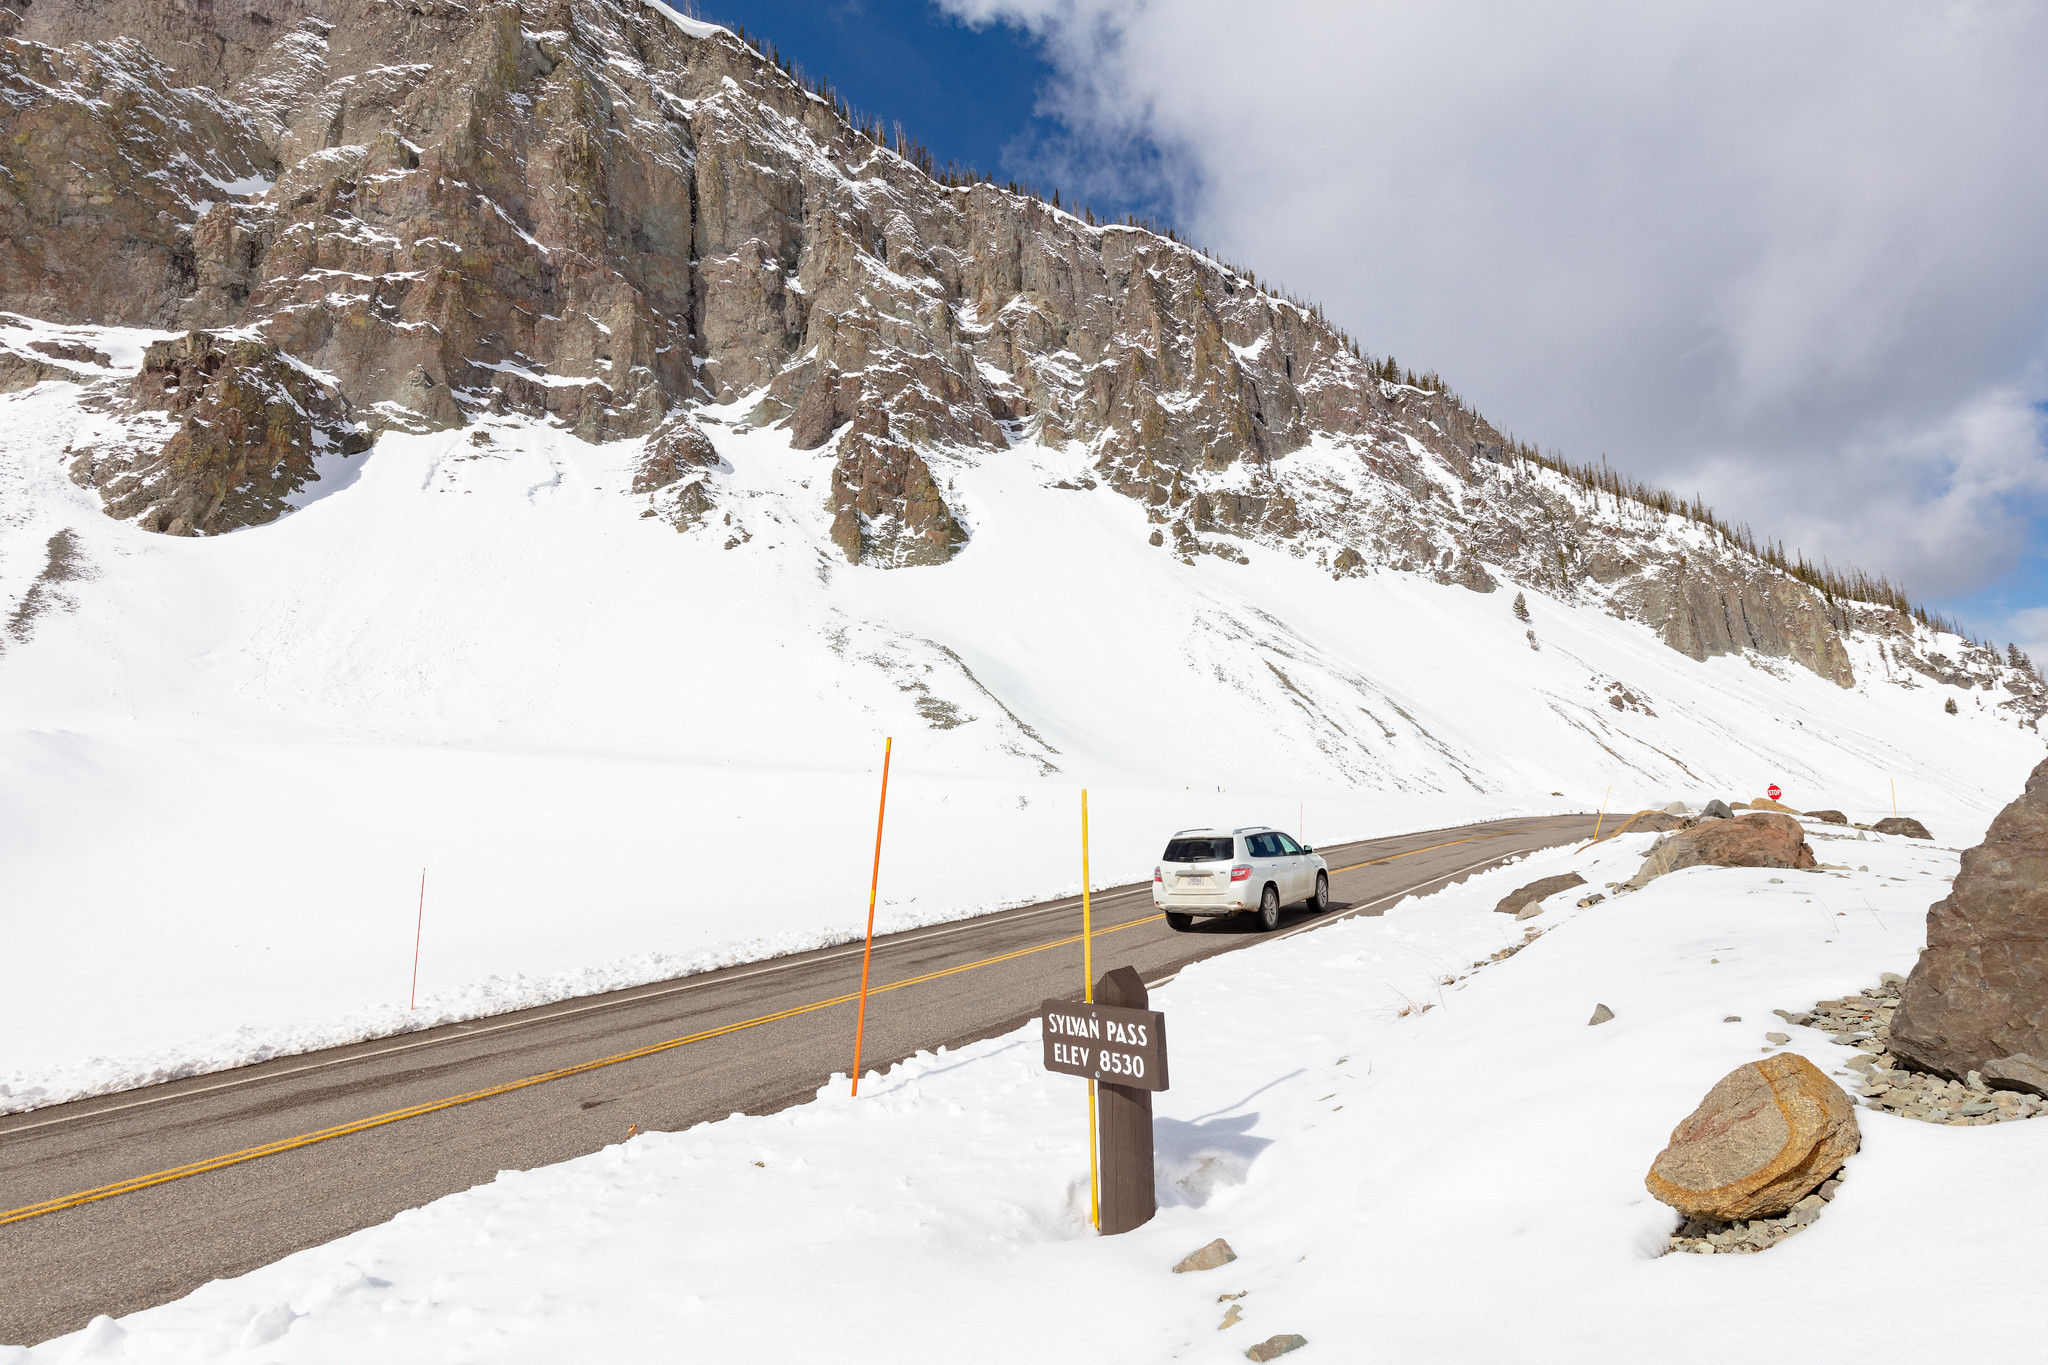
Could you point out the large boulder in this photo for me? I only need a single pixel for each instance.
(1766, 1136)
(1766, 840)
(1655, 822)
(1514, 901)
(1980, 991)
(1716, 809)
(1828, 817)
(1904, 825)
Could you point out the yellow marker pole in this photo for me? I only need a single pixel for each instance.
(860, 1027)
(1895, 799)
(1603, 815)
(1088, 994)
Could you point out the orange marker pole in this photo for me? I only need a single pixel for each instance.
(417, 930)
(860, 1027)
(1603, 816)
(1088, 994)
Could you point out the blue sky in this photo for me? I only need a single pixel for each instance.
(968, 94)
(1802, 279)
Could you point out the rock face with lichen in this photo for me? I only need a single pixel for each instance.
(1765, 1136)
(606, 217)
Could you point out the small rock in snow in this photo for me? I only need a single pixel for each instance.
(1272, 1348)
(1601, 1014)
(1777, 1037)
(1209, 1257)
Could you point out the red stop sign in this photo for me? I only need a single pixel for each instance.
(1773, 792)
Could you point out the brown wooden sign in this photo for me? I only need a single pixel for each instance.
(1113, 1044)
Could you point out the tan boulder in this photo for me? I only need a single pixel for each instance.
(1762, 840)
(1656, 822)
(1521, 896)
(1765, 803)
(1828, 817)
(1903, 825)
(1766, 1136)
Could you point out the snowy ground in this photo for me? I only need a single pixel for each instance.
(1414, 1160)
(623, 754)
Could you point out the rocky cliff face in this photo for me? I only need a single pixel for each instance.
(602, 215)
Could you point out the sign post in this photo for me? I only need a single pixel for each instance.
(1120, 1046)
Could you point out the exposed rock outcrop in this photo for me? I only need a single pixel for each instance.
(245, 429)
(887, 507)
(1905, 826)
(598, 213)
(1980, 990)
(1766, 1136)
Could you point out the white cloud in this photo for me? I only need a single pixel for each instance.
(1785, 254)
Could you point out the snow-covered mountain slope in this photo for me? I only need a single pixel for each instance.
(624, 752)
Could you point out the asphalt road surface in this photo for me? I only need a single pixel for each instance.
(102, 1211)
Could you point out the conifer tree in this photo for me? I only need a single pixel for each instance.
(1949, 706)
(1521, 607)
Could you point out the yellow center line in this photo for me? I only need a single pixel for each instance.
(143, 1182)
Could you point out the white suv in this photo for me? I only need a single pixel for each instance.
(1233, 871)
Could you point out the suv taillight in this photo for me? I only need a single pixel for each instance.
(1238, 874)
(1156, 877)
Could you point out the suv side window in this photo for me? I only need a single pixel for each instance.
(1263, 845)
(1288, 846)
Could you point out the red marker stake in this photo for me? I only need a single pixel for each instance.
(860, 1027)
(416, 931)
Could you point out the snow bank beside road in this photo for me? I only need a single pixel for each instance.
(623, 752)
(1410, 1168)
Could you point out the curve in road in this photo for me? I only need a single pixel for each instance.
(120, 1202)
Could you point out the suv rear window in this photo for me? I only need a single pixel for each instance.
(1198, 850)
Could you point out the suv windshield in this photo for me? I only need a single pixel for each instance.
(1197, 850)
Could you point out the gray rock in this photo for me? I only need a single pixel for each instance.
(1601, 1014)
(2020, 1072)
(1716, 809)
(1217, 1253)
(1777, 1037)
(1593, 899)
(1903, 825)
(1732, 1019)
(1272, 1348)
(1980, 990)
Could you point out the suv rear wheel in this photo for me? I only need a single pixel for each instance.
(1179, 922)
(1269, 908)
(1321, 902)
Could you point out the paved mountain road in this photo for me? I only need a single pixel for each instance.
(755, 1038)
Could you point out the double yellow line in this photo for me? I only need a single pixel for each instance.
(143, 1182)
